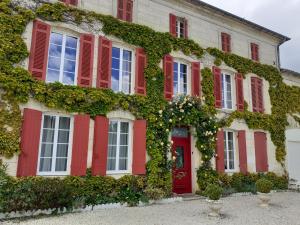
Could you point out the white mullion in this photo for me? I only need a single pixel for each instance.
(63, 53)
(121, 70)
(55, 144)
(224, 91)
(227, 152)
(178, 78)
(118, 145)
(230, 90)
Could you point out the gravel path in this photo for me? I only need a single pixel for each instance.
(284, 210)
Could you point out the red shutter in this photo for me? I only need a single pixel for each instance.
(242, 151)
(168, 74)
(220, 165)
(196, 81)
(39, 50)
(173, 19)
(185, 28)
(121, 6)
(217, 87)
(261, 156)
(104, 63)
(254, 95)
(129, 9)
(99, 161)
(30, 141)
(80, 145)
(254, 52)
(260, 100)
(226, 42)
(141, 63)
(239, 92)
(139, 147)
(73, 2)
(86, 60)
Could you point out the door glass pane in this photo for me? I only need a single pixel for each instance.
(180, 132)
(179, 157)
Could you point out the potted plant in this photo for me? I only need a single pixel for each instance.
(264, 187)
(214, 192)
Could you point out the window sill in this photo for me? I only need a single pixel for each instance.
(118, 172)
(52, 174)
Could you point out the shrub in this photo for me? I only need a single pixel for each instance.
(279, 183)
(154, 193)
(263, 185)
(213, 192)
(206, 176)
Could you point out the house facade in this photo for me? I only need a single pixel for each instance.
(57, 143)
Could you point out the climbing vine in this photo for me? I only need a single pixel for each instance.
(18, 87)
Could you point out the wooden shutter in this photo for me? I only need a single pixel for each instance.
(30, 141)
(121, 5)
(254, 52)
(185, 28)
(99, 161)
(242, 151)
(168, 75)
(196, 80)
(70, 2)
(217, 87)
(129, 10)
(220, 165)
(239, 92)
(226, 42)
(254, 95)
(261, 156)
(104, 63)
(139, 147)
(86, 60)
(141, 63)
(173, 20)
(38, 58)
(260, 100)
(80, 145)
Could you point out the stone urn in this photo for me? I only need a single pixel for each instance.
(264, 198)
(215, 207)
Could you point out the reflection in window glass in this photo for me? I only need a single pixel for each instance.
(180, 78)
(229, 150)
(62, 59)
(226, 91)
(179, 157)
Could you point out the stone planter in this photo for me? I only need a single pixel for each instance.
(264, 199)
(215, 207)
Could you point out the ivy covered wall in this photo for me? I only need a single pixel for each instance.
(18, 86)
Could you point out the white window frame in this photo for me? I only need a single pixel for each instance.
(179, 20)
(129, 156)
(234, 150)
(132, 78)
(53, 172)
(224, 91)
(61, 72)
(179, 91)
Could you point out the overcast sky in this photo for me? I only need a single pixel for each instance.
(282, 16)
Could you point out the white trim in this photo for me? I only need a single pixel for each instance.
(224, 91)
(233, 150)
(188, 78)
(129, 153)
(62, 57)
(69, 157)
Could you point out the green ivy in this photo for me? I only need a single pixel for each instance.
(18, 86)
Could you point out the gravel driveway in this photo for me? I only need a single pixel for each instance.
(284, 210)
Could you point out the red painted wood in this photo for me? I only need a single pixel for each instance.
(254, 52)
(196, 80)
(73, 2)
(104, 63)
(185, 28)
(261, 156)
(168, 75)
(99, 161)
(254, 94)
(80, 145)
(173, 19)
(30, 141)
(239, 92)
(86, 60)
(121, 5)
(242, 151)
(217, 87)
(182, 177)
(125, 10)
(141, 63)
(129, 10)
(39, 50)
(220, 165)
(257, 94)
(139, 147)
(226, 42)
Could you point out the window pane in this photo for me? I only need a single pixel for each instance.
(63, 136)
(113, 126)
(127, 55)
(56, 38)
(111, 164)
(46, 150)
(52, 75)
(115, 80)
(64, 123)
(126, 82)
(55, 50)
(49, 122)
(179, 157)
(123, 139)
(62, 150)
(115, 52)
(48, 136)
(68, 78)
(123, 151)
(54, 63)
(112, 151)
(70, 53)
(124, 127)
(61, 164)
(180, 132)
(116, 63)
(112, 139)
(71, 42)
(45, 164)
(123, 164)
(69, 65)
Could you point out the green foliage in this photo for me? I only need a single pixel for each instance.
(213, 191)
(264, 185)
(154, 193)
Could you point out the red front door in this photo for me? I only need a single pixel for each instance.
(182, 180)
